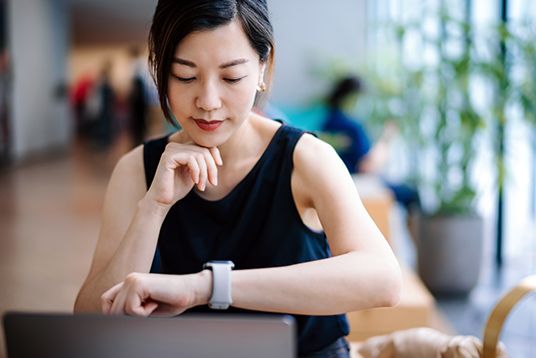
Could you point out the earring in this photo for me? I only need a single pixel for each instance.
(261, 87)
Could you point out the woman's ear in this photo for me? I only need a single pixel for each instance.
(261, 85)
(261, 72)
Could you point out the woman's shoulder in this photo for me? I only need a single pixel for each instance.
(314, 158)
(310, 149)
(127, 182)
(317, 172)
(130, 162)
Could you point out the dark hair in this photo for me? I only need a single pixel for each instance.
(173, 20)
(343, 88)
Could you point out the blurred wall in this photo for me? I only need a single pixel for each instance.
(110, 22)
(38, 41)
(307, 34)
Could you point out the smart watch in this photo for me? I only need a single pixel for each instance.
(221, 297)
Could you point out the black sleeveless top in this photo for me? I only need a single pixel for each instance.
(256, 225)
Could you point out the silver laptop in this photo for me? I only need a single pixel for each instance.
(189, 336)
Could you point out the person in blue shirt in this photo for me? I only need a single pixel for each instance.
(351, 141)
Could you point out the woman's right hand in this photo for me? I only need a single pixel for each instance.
(181, 167)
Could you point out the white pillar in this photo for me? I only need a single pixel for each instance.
(38, 44)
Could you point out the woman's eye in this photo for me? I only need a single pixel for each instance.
(185, 79)
(233, 80)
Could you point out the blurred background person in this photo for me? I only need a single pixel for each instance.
(80, 93)
(350, 139)
(137, 99)
(100, 109)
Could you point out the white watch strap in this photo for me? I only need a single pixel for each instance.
(221, 297)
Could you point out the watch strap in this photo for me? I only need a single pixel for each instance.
(221, 297)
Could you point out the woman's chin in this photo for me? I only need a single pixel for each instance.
(209, 141)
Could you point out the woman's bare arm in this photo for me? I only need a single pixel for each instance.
(124, 215)
(132, 215)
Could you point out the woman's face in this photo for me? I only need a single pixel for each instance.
(212, 83)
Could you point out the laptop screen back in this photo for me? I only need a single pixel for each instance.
(192, 336)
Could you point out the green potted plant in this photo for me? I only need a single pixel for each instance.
(435, 104)
(450, 231)
(435, 108)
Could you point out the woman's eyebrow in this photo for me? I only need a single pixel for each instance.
(188, 63)
(234, 63)
(181, 61)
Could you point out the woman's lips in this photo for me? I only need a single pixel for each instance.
(208, 126)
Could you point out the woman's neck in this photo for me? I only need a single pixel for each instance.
(242, 144)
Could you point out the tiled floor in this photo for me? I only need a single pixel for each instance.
(49, 214)
(49, 217)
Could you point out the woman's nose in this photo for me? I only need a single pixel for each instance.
(208, 98)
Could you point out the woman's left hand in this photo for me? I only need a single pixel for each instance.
(144, 294)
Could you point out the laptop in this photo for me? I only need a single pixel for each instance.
(189, 336)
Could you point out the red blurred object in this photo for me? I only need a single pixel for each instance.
(81, 89)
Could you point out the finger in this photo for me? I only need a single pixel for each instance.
(108, 298)
(149, 308)
(134, 305)
(203, 175)
(194, 169)
(212, 168)
(118, 307)
(216, 155)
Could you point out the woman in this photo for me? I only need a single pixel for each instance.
(233, 185)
